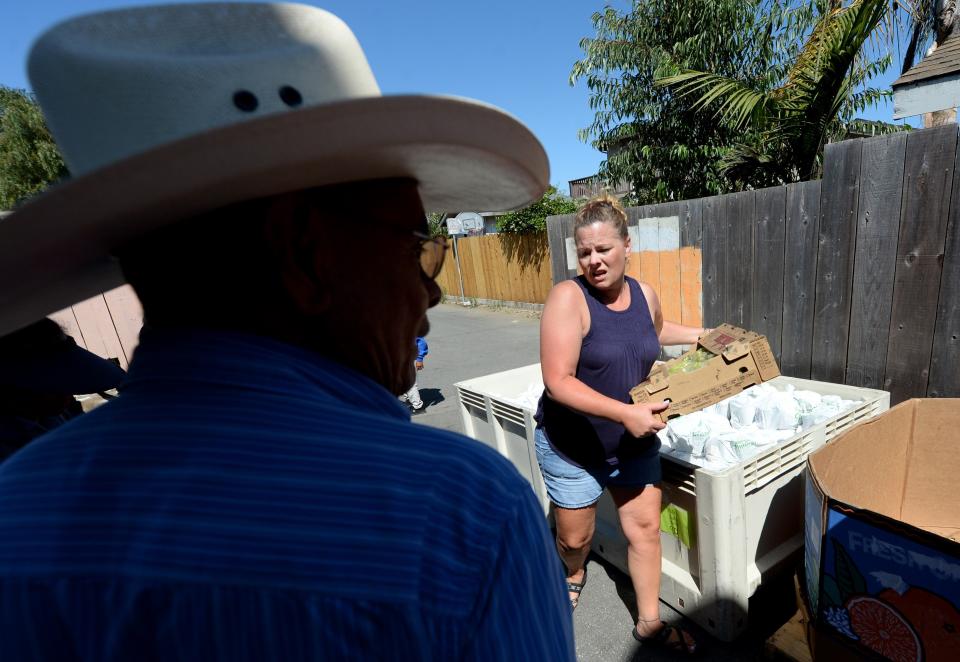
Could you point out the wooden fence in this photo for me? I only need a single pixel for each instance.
(500, 267)
(854, 279)
(107, 324)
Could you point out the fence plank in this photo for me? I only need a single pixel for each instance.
(635, 261)
(449, 280)
(68, 322)
(768, 243)
(838, 226)
(99, 334)
(573, 268)
(715, 243)
(691, 262)
(648, 252)
(669, 292)
(557, 227)
(740, 210)
(801, 229)
(127, 315)
(466, 267)
(928, 181)
(878, 226)
(944, 379)
(475, 277)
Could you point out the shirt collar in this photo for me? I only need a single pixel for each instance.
(195, 357)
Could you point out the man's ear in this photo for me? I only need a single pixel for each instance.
(294, 242)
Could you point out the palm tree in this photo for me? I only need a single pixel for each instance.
(786, 126)
(927, 18)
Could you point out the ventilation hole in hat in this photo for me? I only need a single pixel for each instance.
(245, 101)
(291, 96)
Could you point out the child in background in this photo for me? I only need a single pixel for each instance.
(412, 397)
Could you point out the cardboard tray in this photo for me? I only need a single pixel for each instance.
(743, 358)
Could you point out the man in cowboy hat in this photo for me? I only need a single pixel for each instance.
(257, 492)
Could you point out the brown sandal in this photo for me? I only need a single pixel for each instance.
(664, 639)
(573, 587)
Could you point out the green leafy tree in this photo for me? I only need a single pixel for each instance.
(29, 158)
(654, 139)
(533, 218)
(785, 125)
(437, 224)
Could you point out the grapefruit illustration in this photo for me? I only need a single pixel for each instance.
(935, 620)
(883, 629)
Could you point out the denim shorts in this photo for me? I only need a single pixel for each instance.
(570, 486)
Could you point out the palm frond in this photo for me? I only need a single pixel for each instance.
(735, 103)
(821, 81)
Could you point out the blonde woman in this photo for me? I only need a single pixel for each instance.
(599, 336)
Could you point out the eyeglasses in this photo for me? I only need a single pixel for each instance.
(433, 250)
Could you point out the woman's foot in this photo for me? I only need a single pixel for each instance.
(575, 584)
(659, 634)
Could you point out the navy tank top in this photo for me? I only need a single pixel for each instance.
(615, 355)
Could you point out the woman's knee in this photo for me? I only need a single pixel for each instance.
(641, 529)
(575, 540)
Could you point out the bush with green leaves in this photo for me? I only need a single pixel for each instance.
(533, 218)
(785, 123)
(437, 224)
(29, 158)
(672, 145)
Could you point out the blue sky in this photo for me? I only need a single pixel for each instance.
(515, 54)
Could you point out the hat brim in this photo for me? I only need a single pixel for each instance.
(465, 155)
(70, 371)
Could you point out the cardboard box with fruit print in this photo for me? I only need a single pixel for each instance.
(883, 537)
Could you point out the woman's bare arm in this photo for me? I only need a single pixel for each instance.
(678, 334)
(669, 333)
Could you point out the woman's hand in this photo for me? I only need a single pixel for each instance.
(641, 419)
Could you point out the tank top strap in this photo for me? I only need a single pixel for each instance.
(594, 305)
(637, 297)
(638, 301)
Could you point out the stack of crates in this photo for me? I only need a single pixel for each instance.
(730, 530)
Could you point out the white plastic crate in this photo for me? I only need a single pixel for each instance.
(490, 417)
(746, 521)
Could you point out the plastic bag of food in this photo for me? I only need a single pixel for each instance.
(777, 411)
(688, 433)
(807, 401)
(743, 410)
(721, 409)
(690, 362)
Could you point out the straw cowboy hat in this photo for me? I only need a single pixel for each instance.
(166, 112)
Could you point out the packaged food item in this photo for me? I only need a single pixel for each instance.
(725, 362)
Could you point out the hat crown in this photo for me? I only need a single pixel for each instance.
(117, 83)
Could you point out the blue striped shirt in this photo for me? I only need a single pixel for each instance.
(244, 499)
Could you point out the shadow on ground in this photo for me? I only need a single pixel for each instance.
(771, 607)
(431, 396)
